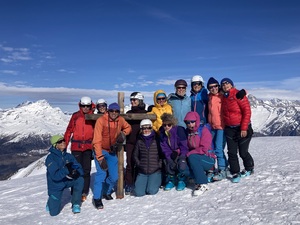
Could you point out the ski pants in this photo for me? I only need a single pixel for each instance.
(105, 181)
(54, 199)
(130, 170)
(199, 164)
(147, 184)
(219, 141)
(84, 158)
(236, 144)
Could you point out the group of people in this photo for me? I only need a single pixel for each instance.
(184, 143)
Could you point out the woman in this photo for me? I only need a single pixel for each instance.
(238, 130)
(201, 156)
(160, 107)
(137, 106)
(173, 141)
(148, 159)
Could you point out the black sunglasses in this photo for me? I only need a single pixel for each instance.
(146, 128)
(181, 88)
(197, 83)
(85, 106)
(61, 141)
(213, 86)
(191, 121)
(114, 111)
(225, 82)
(160, 99)
(167, 124)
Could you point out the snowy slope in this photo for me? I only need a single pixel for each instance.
(270, 196)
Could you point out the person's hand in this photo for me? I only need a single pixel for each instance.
(241, 94)
(103, 164)
(182, 163)
(174, 155)
(69, 166)
(171, 167)
(121, 138)
(243, 133)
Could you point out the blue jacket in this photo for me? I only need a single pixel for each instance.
(200, 104)
(56, 169)
(180, 107)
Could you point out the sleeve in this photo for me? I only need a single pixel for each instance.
(136, 154)
(182, 140)
(164, 146)
(55, 172)
(70, 129)
(97, 140)
(126, 127)
(246, 112)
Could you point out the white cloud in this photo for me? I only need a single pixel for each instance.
(292, 50)
(12, 72)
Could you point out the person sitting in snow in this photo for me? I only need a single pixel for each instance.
(63, 171)
(201, 155)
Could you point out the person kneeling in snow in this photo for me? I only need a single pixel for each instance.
(201, 157)
(63, 171)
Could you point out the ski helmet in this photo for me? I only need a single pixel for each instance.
(145, 122)
(197, 78)
(180, 82)
(137, 95)
(101, 101)
(85, 101)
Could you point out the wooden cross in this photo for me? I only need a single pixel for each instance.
(120, 154)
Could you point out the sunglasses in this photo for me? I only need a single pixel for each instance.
(161, 99)
(197, 83)
(101, 106)
(133, 99)
(191, 121)
(181, 88)
(85, 106)
(225, 83)
(213, 86)
(61, 141)
(114, 111)
(167, 125)
(146, 128)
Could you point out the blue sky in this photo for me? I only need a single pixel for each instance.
(63, 50)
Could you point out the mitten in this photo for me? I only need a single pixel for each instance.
(69, 167)
(241, 94)
(182, 163)
(174, 155)
(103, 164)
(170, 167)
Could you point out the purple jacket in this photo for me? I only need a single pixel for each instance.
(175, 141)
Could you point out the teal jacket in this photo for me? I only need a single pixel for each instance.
(180, 107)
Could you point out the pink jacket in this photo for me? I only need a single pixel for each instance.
(215, 111)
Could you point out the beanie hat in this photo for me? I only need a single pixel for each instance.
(114, 106)
(228, 80)
(161, 95)
(212, 80)
(55, 138)
(180, 82)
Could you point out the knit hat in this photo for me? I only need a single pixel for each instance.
(161, 95)
(55, 138)
(210, 81)
(228, 80)
(114, 106)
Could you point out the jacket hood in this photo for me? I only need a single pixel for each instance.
(193, 116)
(155, 95)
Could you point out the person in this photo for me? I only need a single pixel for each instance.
(80, 133)
(201, 155)
(63, 171)
(199, 98)
(160, 106)
(101, 106)
(216, 122)
(137, 106)
(238, 130)
(180, 102)
(148, 158)
(173, 142)
(110, 130)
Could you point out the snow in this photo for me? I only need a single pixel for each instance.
(270, 196)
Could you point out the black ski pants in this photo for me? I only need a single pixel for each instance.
(236, 144)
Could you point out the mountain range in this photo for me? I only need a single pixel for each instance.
(26, 128)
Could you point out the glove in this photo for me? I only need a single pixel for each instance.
(182, 163)
(241, 94)
(121, 138)
(170, 167)
(73, 173)
(103, 164)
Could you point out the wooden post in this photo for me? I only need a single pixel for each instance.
(120, 154)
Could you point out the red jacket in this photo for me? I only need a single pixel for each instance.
(215, 118)
(80, 132)
(236, 112)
